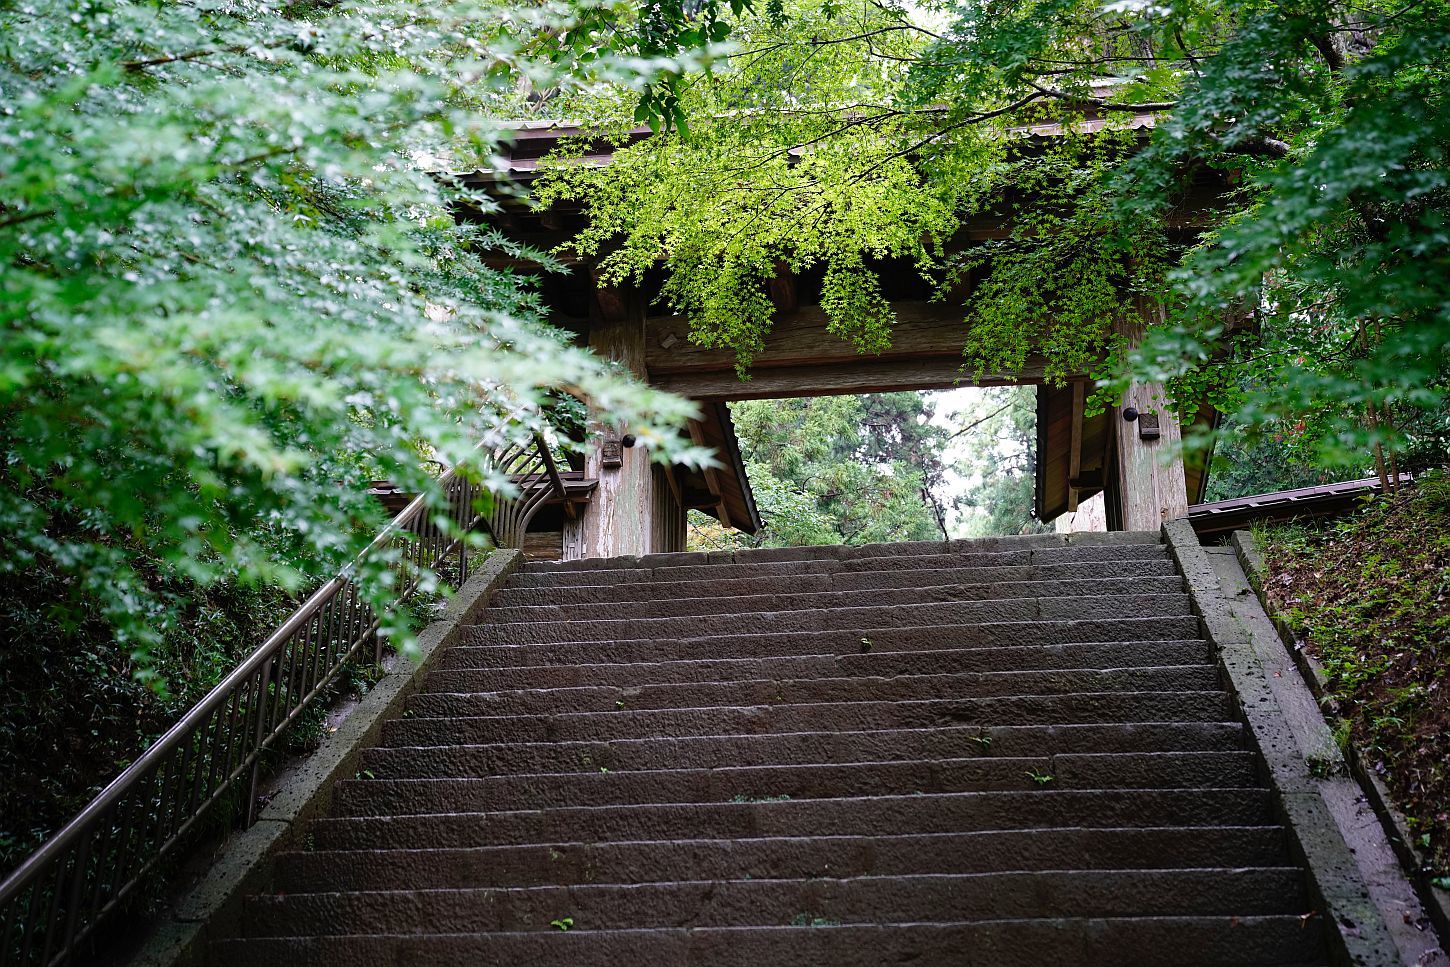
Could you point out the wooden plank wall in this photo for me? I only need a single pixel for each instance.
(544, 546)
(666, 515)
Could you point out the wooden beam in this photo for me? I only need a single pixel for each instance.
(869, 374)
(923, 329)
(802, 358)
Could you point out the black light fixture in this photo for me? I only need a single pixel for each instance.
(1129, 414)
(628, 440)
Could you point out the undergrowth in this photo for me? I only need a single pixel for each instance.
(74, 715)
(1368, 596)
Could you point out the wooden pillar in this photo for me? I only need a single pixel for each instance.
(617, 521)
(1151, 483)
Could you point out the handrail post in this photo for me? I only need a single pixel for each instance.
(254, 780)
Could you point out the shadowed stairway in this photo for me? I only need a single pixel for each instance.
(997, 752)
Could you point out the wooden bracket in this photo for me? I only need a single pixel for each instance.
(782, 290)
(712, 476)
(611, 453)
(611, 301)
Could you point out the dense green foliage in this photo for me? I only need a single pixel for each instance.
(232, 287)
(1250, 459)
(1369, 596)
(839, 470)
(73, 716)
(844, 134)
(887, 467)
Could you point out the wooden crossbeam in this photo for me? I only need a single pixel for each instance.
(802, 358)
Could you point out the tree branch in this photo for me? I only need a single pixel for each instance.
(1264, 146)
(139, 65)
(1324, 43)
(942, 132)
(27, 217)
(972, 426)
(1102, 103)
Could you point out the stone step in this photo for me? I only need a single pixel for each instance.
(647, 861)
(869, 816)
(890, 638)
(456, 676)
(837, 619)
(1076, 709)
(626, 570)
(1127, 770)
(922, 898)
(1224, 941)
(512, 595)
(896, 688)
(803, 599)
(717, 751)
(852, 552)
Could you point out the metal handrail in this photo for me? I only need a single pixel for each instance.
(53, 902)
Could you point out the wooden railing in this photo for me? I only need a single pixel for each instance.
(52, 904)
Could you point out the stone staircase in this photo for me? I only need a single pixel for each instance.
(1002, 752)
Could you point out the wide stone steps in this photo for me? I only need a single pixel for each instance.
(864, 816)
(457, 674)
(883, 638)
(932, 897)
(804, 857)
(1072, 709)
(838, 619)
(466, 701)
(626, 570)
(516, 594)
(384, 797)
(798, 599)
(792, 748)
(1223, 941)
(917, 550)
(1012, 751)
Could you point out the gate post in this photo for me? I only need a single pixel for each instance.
(616, 521)
(1151, 482)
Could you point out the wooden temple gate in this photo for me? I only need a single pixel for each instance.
(1128, 454)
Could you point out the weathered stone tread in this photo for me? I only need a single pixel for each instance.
(787, 748)
(868, 816)
(1285, 941)
(801, 856)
